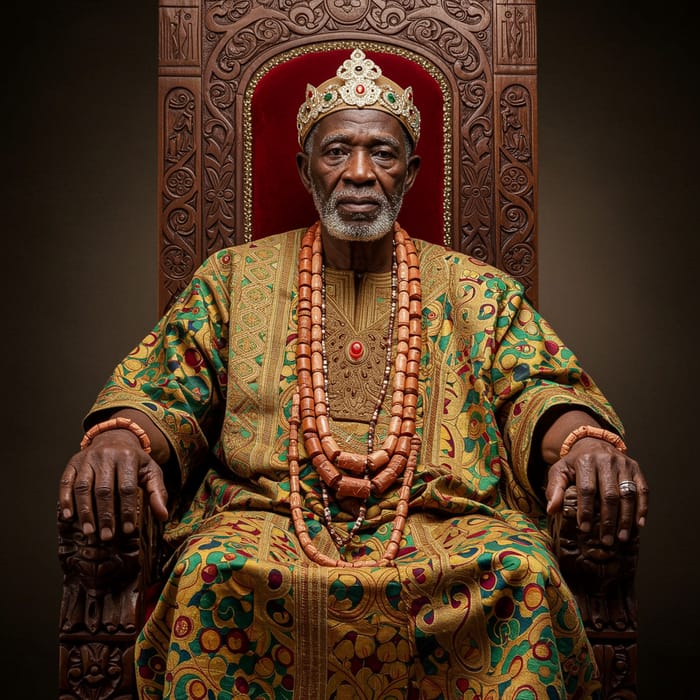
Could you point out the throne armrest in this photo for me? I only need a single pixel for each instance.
(602, 579)
(102, 607)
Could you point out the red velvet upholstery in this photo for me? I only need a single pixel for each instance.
(279, 205)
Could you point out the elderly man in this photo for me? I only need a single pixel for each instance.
(360, 426)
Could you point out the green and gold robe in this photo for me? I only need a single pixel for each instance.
(475, 607)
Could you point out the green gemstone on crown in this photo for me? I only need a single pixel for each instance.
(391, 97)
(328, 97)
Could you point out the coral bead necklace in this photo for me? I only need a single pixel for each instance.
(349, 474)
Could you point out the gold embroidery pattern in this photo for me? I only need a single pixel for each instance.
(257, 349)
(354, 386)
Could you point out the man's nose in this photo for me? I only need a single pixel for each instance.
(359, 168)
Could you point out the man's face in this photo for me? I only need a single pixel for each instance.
(357, 170)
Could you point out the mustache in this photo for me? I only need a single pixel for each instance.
(364, 194)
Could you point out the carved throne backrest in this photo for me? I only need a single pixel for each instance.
(232, 74)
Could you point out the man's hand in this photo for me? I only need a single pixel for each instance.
(600, 471)
(100, 484)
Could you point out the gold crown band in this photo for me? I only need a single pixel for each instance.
(358, 83)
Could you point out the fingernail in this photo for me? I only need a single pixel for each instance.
(585, 527)
(642, 522)
(608, 540)
(106, 533)
(623, 535)
(66, 514)
(88, 529)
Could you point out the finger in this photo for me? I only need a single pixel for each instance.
(65, 490)
(609, 478)
(151, 480)
(558, 481)
(642, 498)
(127, 485)
(628, 501)
(104, 499)
(82, 493)
(628, 504)
(586, 491)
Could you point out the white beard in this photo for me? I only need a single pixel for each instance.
(360, 229)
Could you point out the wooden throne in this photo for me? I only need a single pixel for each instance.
(231, 76)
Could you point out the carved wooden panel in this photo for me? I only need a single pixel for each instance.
(97, 671)
(209, 49)
(179, 36)
(618, 669)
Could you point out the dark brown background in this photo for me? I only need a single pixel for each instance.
(618, 246)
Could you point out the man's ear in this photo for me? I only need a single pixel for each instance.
(412, 169)
(303, 170)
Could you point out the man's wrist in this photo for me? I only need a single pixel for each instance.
(590, 431)
(117, 423)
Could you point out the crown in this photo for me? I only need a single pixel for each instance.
(358, 83)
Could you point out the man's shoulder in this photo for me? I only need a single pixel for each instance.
(461, 266)
(289, 240)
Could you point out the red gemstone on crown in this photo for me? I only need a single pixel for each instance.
(360, 89)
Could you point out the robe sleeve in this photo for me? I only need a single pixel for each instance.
(531, 372)
(177, 374)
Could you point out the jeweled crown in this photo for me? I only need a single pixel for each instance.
(358, 83)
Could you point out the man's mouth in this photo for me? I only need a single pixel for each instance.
(357, 207)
